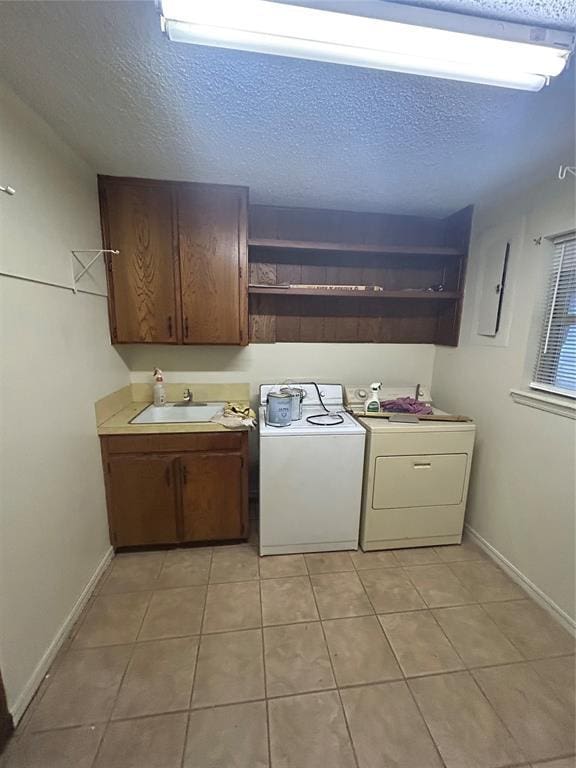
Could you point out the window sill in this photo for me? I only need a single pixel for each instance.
(559, 405)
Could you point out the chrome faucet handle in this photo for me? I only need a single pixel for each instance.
(188, 396)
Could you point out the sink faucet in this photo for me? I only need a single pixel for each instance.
(188, 396)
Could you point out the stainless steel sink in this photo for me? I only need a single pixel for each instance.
(178, 413)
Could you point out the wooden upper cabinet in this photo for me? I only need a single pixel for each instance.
(181, 274)
(212, 241)
(138, 221)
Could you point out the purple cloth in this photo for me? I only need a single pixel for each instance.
(405, 405)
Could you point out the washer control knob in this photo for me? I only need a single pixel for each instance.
(362, 394)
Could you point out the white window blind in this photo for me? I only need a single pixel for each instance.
(556, 362)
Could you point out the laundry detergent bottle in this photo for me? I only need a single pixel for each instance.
(372, 404)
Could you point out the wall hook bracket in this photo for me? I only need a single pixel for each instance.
(566, 169)
(87, 266)
(8, 190)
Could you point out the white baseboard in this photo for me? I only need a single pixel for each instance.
(19, 707)
(523, 581)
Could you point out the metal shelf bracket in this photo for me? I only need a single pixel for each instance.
(87, 266)
(565, 169)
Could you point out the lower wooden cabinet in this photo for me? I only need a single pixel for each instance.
(169, 489)
(143, 500)
(211, 491)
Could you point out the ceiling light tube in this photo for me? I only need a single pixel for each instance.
(266, 27)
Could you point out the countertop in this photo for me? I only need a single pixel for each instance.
(115, 411)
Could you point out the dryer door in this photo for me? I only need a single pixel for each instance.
(419, 481)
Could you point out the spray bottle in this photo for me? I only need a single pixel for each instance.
(159, 388)
(372, 404)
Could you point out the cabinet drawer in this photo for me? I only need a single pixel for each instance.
(183, 443)
(419, 481)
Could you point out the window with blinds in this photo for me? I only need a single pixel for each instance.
(555, 369)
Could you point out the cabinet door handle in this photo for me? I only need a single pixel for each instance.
(170, 326)
(184, 474)
(167, 476)
(422, 465)
(186, 327)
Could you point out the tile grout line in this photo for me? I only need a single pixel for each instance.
(433, 740)
(511, 641)
(420, 592)
(56, 663)
(100, 741)
(430, 610)
(492, 565)
(493, 707)
(129, 662)
(472, 601)
(396, 657)
(504, 634)
(496, 714)
(468, 668)
(402, 678)
(450, 643)
(197, 656)
(366, 593)
(69, 642)
(342, 709)
(264, 672)
(187, 729)
(123, 676)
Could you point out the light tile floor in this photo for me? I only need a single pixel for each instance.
(215, 658)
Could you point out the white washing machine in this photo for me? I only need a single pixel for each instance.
(415, 477)
(310, 477)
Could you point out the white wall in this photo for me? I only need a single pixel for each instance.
(56, 360)
(522, 491)
(264, 363)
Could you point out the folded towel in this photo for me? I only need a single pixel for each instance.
(236, 415)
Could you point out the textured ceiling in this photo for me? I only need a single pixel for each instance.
(295, 132)
(549, 13)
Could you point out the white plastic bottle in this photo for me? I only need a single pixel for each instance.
(372, 404)
(159, 388)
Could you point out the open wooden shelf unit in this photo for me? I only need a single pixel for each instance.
(407, 257)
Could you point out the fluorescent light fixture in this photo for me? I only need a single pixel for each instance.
(483, 55)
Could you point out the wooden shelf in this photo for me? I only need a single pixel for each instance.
(303, 245)
(322, 253)
(367, 294)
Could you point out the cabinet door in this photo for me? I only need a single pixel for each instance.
(142, 500)
(213, 497)
(212, 235)
(137, 220)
